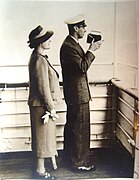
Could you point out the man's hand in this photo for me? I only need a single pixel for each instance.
(95, 45)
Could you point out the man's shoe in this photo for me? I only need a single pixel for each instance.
(85, 168)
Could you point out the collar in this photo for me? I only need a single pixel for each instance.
(74, 39)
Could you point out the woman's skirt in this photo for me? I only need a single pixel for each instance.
(43, 135)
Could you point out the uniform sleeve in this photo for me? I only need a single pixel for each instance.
(43, 82)
(75, 60)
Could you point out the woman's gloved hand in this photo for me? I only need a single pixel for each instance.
(51, 114)
(46, 117)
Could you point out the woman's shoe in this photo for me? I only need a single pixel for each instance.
(45, 175)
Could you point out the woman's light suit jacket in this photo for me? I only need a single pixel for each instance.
(44, 87)
(75, 63)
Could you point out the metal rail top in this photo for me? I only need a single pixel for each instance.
(133, 92)
(26, 84)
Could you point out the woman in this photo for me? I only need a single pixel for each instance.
(44, 93)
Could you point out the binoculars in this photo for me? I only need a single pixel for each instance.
(92, 36)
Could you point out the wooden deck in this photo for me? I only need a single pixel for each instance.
(110, 163)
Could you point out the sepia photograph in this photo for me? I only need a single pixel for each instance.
(69, 89)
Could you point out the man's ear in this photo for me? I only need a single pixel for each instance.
(75, 28)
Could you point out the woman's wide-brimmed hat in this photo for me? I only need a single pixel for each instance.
(38, 35)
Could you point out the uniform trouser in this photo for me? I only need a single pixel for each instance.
(77, 134)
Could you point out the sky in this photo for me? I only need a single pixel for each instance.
(19, 17)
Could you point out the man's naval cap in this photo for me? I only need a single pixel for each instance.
(76, 20)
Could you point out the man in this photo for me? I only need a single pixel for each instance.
(75, 63)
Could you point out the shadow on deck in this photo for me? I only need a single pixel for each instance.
(110, 163)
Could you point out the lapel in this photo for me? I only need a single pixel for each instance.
(79, 49)
(46, 57)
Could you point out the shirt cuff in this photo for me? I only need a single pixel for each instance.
(90, 51)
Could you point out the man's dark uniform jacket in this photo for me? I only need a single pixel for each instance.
(75, 64)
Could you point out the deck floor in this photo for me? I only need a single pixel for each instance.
(110, 163)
